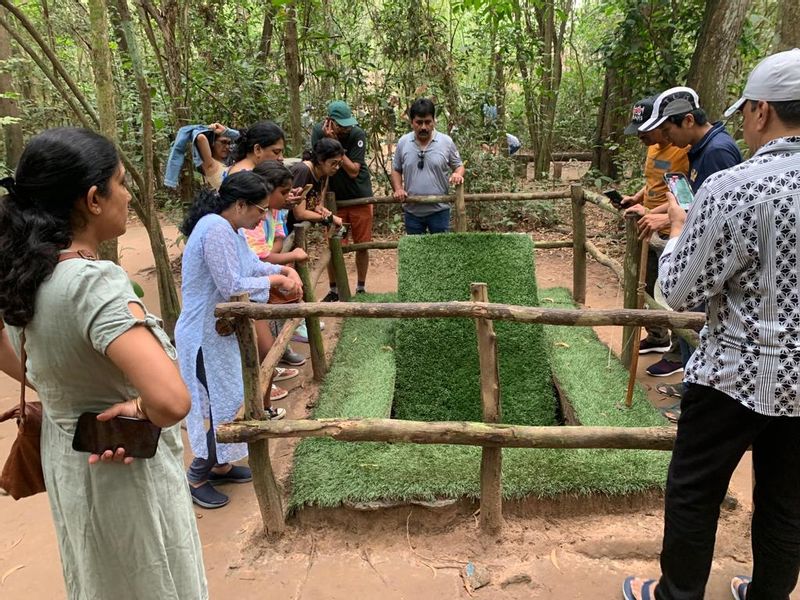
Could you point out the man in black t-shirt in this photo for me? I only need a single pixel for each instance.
(352, 181)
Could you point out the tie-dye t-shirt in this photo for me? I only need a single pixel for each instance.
(262, 238)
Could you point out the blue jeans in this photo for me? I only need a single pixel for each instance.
(438, 222)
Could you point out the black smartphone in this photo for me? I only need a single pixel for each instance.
(615, 197)
(138, 437)
(680, 187)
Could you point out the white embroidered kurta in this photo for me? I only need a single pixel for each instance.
(217, 264)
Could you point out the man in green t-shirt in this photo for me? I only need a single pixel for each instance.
(351, 181)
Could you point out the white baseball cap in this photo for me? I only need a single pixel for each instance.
(775, 79)
(674, 101)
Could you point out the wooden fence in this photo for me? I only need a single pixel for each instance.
(237, 316)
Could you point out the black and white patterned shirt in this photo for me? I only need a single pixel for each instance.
(738, 252)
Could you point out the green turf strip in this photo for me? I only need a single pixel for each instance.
(438, 375)
(360, 383)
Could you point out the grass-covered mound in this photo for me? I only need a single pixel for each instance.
(361, 383)
(438, 375)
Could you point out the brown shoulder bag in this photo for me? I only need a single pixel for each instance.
(22, 474)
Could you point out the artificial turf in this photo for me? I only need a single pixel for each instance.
(361, 383)
(438, 375)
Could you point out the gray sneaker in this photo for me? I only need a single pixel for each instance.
(290, 357)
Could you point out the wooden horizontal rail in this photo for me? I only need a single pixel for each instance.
(688, 335)
(450, 198)
(467, 310)
(453, 432)
(390, 245)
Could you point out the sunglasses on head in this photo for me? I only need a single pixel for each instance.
(421, 161)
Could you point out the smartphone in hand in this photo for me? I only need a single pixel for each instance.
(138, 437)
(615, 197)
(680, 187)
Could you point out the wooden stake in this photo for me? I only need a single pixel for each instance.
(637, 330)
(578, 245)
(491, 458)
(461, 210)
(268, 494)
(631, 270)
(454, 432)
(315, 345)
(339, 268)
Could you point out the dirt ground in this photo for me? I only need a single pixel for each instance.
(393, 557)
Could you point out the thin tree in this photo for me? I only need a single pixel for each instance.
(787, 33)
(715, 53)
(9, 111)
(104, 89)
(292, 55)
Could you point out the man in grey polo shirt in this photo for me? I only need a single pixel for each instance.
(425, 163)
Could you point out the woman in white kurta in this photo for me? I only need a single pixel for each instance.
(217, 264)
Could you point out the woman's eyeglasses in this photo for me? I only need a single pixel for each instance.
(421, 161)
(263, 209)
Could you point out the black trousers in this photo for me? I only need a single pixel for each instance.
(714, 431)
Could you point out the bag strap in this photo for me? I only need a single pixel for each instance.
(23, 356)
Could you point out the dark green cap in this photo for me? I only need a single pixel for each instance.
(341, 113)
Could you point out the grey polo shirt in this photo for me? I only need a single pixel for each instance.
(441, 158)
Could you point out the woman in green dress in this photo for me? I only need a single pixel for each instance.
(125, 527)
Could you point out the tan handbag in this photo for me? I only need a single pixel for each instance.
(22, 474)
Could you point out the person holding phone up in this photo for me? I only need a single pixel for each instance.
(662, 157)
(93, 347)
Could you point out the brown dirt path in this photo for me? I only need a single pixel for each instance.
(582, 557)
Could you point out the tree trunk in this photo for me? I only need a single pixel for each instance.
(715, 53)
(787, 33)
(104, 87)
(499, 81)
(266, 30)
(292, 55)
(523, 58)
(12, 132)
(168, 296)
(610, 123)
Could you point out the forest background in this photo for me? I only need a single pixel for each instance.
(562, 75)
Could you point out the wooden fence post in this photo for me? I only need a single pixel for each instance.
(491, 458)
(578, 244)
(461, 209)
(631, 271)
(339, 268)
(268, 494)
(315, 345)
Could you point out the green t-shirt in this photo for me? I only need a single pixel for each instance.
(355, 146)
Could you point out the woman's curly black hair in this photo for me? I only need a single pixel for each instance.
(244, 185)
(39, 214)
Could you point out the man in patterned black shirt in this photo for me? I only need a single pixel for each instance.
(738, 251)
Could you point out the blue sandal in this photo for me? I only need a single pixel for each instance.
(648, 588)
(739, 585)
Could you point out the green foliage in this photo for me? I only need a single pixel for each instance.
(438, 376)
